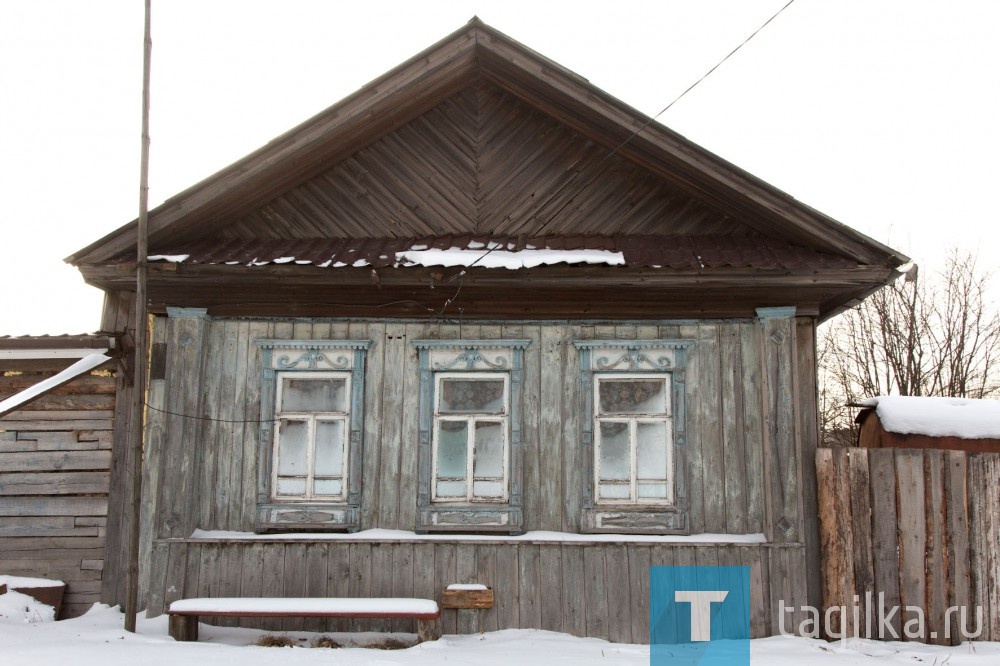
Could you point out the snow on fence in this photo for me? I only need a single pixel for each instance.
(917, 530)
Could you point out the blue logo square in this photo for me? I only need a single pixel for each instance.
(699, 616)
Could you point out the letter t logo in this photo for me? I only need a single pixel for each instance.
(701, 610)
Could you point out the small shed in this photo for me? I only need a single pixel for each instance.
(914, 422)
(57, 398)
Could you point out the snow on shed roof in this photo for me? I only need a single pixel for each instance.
(938, 417)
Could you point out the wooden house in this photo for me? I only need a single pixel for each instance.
(55, 457)
(921, 422)
(481, 304)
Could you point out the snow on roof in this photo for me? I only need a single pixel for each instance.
(506, 259)
(938, 417)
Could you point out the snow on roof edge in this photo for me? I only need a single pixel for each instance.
(964, 418)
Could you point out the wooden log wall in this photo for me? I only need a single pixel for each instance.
(55, 457)
(921, 527)
(750, 406)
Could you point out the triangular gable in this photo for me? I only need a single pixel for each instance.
(677, 187)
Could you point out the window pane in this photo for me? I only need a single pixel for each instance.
(453, 439)
(314, 395)
(329, 448)
(652, 450)
(489, 449)
(466, 396)
(330, 487)
(487, 489)
(613, 491)
(633, 396)
(293, 444)
(291, 486)
(653, 490)
(615, 462)
(451, 489)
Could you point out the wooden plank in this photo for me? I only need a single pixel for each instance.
(465, 572)
(912, 530)
(733, 444)
(574, 455)
(530, 583)
(425, 583)
(34, 416)
(252, 570)
(54, 440)
(860, 515)
(531, 483)
(252, 409)
(317, 558)
(55, 483)
(152, 449)
(984, 529)
(153, 584)
(54, 506)
(621, 606)
(707, 410)
(55, 461)
(407, 514)
(957, 541)
(486, 574)
(390, 441)
(553, 345)
(209, 430)
(381, 579)
(272, 585)
(338, 580)
(783, 434)
(695, 465)
(74, 424)
(173, 587)
(506, 586)
(295, 580)
(574, 599)
(402, 579)
(885, 540)
(935, 569)
(639, 561)
(445, 573)
(372, 462)
(549, 597)
(595, 585)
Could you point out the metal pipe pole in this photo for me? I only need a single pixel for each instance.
(139, 385)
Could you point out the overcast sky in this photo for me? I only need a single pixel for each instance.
(880, 113)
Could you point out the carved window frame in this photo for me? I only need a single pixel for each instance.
(634, 359)
(288, 358)
(473, 357)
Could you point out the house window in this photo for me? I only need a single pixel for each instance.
(469, 445)
(311, 421)
(310, 447)
(470, 450)
(633, 461)
(634, 432)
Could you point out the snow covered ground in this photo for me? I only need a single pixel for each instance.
(98, 639)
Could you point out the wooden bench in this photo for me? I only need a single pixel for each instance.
(184, 613)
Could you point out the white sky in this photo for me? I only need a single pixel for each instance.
(880, 113)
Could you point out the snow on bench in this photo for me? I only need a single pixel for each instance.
(184, 613)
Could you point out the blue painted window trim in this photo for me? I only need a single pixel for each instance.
(305, 356)
(470, 356)
(635, 357)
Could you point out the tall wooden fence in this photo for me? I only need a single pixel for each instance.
(917, 530)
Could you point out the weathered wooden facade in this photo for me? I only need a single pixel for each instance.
(55, 458)
(551, 358)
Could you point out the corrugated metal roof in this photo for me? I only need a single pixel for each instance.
(677, 252)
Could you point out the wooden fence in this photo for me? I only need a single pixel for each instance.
(914, 529)
(55, 456)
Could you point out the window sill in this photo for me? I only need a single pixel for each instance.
(464, 518)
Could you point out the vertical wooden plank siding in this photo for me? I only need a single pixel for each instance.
(806, 404)
(741, 393)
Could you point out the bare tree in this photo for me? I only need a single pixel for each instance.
(937, 337)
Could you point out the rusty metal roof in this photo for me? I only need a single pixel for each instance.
(675, 252)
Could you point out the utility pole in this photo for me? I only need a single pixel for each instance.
(141, 320)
